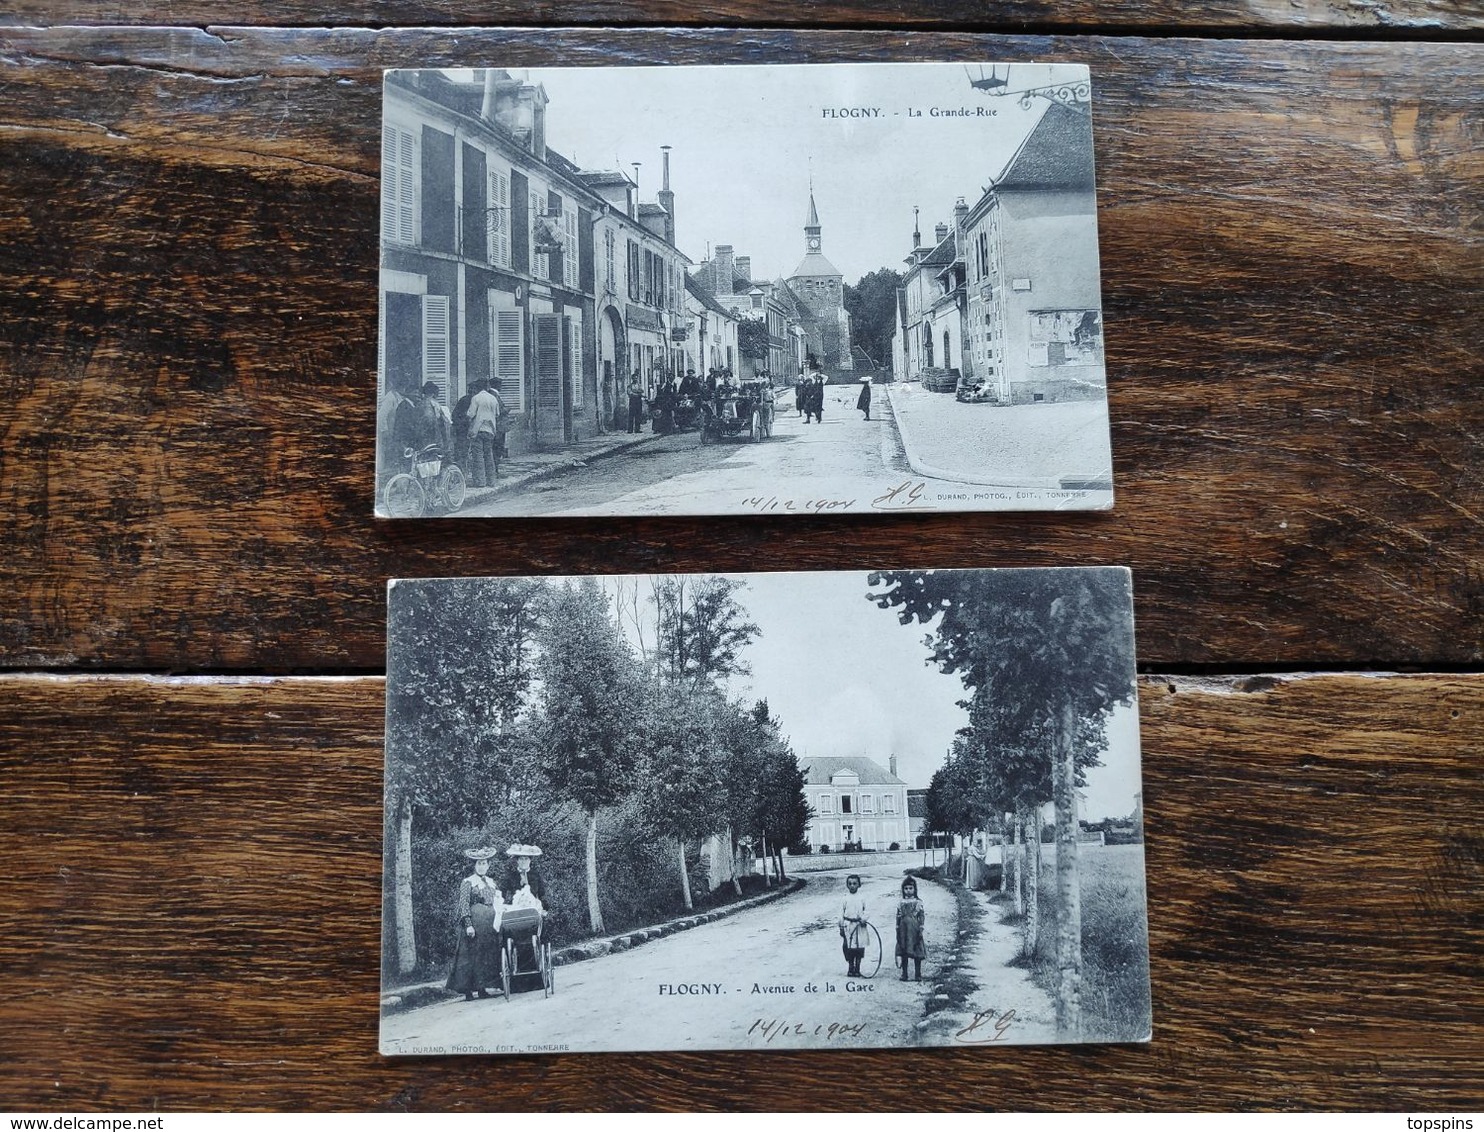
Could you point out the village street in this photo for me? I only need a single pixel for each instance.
(741, 982)
(813, 467)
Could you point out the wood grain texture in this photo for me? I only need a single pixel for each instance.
(191, 919)
(1291, 274)
(1373, 17)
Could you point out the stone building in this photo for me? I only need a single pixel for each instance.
(819, 290)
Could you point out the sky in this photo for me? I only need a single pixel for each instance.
(747, 139)
(846, 678)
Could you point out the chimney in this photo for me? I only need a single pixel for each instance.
(487, 106)
(916, 235)
(634, 196)
(940, 233)
(960, 210)
(892, 765)
(531, 114)
(744, 267)
(667, 198)
(724, 269)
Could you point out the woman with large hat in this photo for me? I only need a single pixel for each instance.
(476, 960)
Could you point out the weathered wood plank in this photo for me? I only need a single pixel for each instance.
(188, 223)
(1372, 17)
(192, 878)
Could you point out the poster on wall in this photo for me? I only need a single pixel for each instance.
(739, 290)
(762, 811)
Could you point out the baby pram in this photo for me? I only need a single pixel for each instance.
(523, 952)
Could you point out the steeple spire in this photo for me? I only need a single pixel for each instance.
(812, 225)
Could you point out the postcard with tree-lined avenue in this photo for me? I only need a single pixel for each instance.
(762, 811)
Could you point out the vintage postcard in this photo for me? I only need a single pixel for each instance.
(781, 290)
(762, 811)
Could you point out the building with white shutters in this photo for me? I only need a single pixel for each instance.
(855, 803)
(486, 253)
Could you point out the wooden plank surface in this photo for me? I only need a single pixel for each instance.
(191, 921)
(1291, 271)
(1372, 17)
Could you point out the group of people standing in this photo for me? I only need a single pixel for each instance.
(854, 927)
(480, 908)
(809, 397)
(414, 418)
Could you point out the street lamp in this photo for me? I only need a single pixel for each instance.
(1075, 95)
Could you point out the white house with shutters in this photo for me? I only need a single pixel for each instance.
(855, 802)
(486, 253)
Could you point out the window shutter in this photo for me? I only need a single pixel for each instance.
(398, 185)
(569, 245)
(435, 342)
(507, 356)
(499, 218)
(406, 188)
(576, 354)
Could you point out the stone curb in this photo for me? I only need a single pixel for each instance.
(422, 994)
(932, 471)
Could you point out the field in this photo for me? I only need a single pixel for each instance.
(1115, 941)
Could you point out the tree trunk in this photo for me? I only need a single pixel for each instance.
(594, 912)
(1033, 883)
(1017, 857)
(684, 874)
(767, 880)
(778, 857)
(402, 889)
(736, 880)
(1005, 852)
(1068, 887)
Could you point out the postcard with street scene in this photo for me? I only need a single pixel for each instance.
(762, 812)
(774, 290)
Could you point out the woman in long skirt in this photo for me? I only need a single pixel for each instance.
(863, 402)
(476, 959)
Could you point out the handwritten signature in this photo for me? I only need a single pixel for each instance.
(906, 494)
(979, 1024)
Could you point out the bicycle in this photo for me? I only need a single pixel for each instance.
(430, 478)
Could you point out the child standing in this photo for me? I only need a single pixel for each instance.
(910, 916)
(853, 925)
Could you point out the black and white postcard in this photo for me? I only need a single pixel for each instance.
(762, 811)
(781, 290)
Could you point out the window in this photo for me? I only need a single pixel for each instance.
(845, 803)
(435, 341)
(1066, 338)
(507, 350)
(888, 803)
(609, 241)
(826, 804)
(868, 804)
(399, 176)
(634, 274)
(497, 225)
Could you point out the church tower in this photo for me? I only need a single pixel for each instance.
(820, 290)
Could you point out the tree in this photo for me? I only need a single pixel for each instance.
(1052, 653)
(872, 306)
(589, 695)
(781, 814)
(457, 683)
(701, 629)
(681, 769)
(752, 338)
